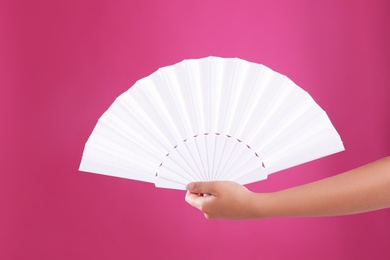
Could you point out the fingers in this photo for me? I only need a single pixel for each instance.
(194, 199)
(202, 187)
(196, 192)
(196, 196)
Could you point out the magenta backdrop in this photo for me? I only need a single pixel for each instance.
(64, 62)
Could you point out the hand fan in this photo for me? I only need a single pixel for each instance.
(209, 119)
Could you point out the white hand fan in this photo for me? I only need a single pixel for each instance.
(209, 119)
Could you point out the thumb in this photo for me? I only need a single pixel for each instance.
(202, 187)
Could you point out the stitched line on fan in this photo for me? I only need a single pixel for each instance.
(228, 136)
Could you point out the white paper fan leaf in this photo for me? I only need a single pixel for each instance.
(209, 119)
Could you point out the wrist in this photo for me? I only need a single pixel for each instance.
(263, 205)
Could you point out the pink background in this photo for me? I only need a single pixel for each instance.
(62, 63)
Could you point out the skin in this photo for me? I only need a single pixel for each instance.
(363, 189)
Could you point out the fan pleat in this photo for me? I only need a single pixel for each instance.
(116, 162)
(144, 120)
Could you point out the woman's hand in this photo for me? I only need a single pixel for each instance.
(223, 199)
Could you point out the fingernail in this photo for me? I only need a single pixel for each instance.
(190, 186)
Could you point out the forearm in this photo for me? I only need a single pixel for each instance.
(362, 189)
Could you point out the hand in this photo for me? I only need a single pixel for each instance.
(224, 199)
